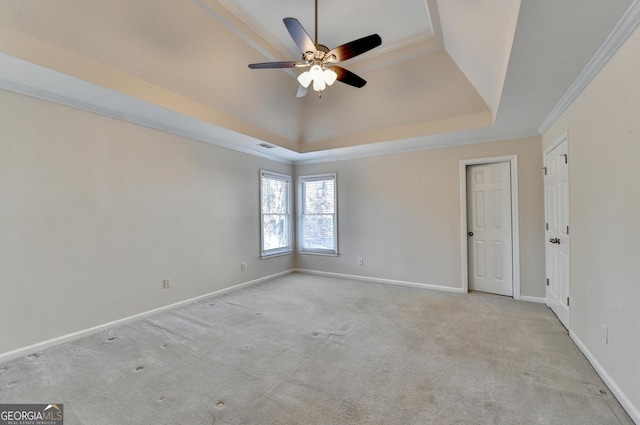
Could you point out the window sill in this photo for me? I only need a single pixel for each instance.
(324, 253)
(275, 254)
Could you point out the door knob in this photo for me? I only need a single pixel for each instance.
(470, 233)
(555, 240)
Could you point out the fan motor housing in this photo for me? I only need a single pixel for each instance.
(319, 56)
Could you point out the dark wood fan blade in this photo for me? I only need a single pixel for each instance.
(299, 35)
(348, 77)
(272, 65)
(356, 47)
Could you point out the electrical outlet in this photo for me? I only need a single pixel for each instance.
(605, 333)
(166, 283)
(360, 261)
(243, 266)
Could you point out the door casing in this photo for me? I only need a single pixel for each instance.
(515, 233)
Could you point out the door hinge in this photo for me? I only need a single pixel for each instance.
(545, 170)
(567, 301)
(547, 281)
(566, 158)
(567, 230)
(546, 226)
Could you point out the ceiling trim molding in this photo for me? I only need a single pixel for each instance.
(245, 37)
(620, 33)
(434, 16)
(257, 27)
(161, 125)
(392, 60)
(420, 40)
(388, 148)
(234, 29)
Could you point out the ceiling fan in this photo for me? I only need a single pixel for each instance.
(320, 60)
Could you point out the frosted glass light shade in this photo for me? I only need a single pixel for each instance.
(316, 72)
(319, 84)
(321, 78)
(304, 79)
(329, 76)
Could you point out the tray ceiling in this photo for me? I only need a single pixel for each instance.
(447, 72)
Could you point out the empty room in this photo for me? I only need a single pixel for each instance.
(319, 212)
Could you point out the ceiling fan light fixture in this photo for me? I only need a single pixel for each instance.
(319, 84)
(329, 76)
(315, 75)
(321, 78)
(305, 79)
(318, 57)
(316, 72)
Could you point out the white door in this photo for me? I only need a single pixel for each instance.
(489, 228)
(557, 231)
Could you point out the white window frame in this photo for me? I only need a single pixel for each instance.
(288, 226)
(301, 214)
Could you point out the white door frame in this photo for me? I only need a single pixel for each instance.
(515, 227)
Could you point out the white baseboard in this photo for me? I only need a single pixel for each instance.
(533, 299)
(632, 410)
(20, 352)
(386, 281)
(404, 283)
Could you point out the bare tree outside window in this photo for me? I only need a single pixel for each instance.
(318, 227)
(276, 213)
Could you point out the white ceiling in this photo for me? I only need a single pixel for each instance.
(448, 72)
(338, 21)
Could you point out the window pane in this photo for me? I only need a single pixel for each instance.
(318, 232)
(276, 213)
(318, 216)
(275, 234)
(319, 196)
(275, 195)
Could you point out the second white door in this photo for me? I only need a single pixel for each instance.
(557, 231)
(489, 228)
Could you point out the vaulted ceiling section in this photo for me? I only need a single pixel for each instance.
(444, 68)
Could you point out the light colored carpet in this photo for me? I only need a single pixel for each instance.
(305, 349)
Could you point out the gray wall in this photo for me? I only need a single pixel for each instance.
(401, 214)
(603, 128)
(96, 212)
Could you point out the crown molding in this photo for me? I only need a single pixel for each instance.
(620, 33)
(244, 34)
(19, 76)
(257, 27)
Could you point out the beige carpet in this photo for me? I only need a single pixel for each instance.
(305, 349)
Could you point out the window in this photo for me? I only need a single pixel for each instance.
(275, 213)
(318, 228)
